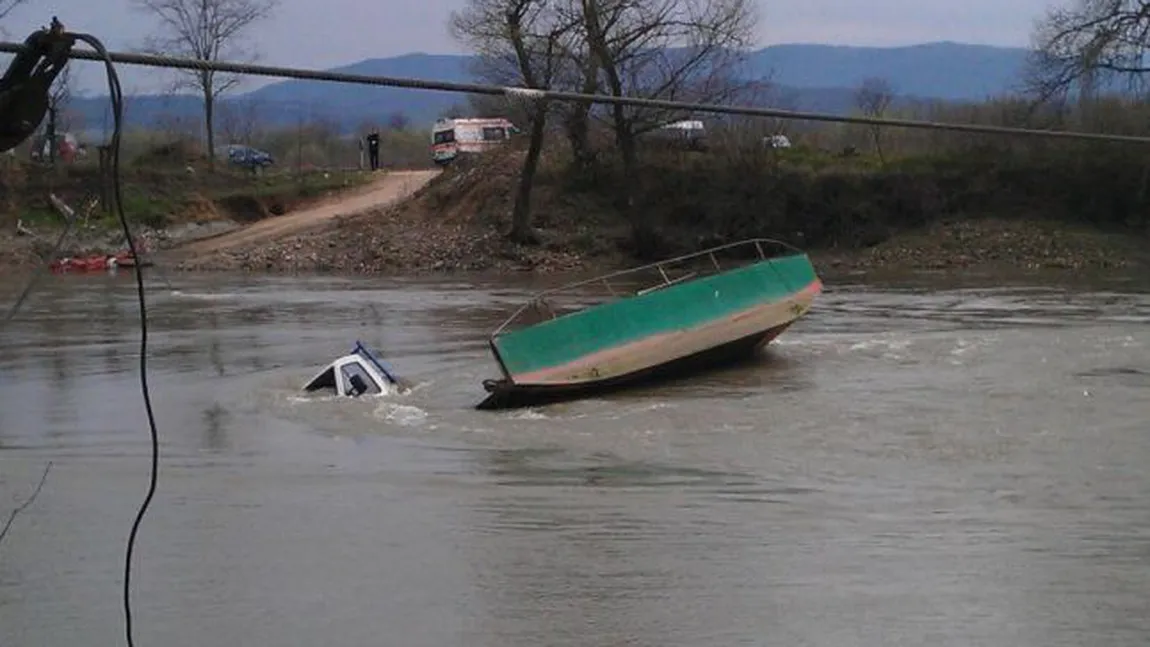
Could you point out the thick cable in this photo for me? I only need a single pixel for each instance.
(116, 95)
(152, 60)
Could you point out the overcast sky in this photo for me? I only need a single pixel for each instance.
(326, 33)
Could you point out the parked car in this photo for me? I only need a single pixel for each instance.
(690, 134)
(777, 141)
(248, 157)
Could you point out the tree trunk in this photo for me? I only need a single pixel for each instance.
(876, 135)
(577, 127)
(209, 111)
(521, 230)
(579, 119)
(644, 241)
(50, 135)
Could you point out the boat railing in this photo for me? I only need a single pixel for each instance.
(677, 279)
(760, 249)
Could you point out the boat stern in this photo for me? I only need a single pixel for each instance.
(740, 308)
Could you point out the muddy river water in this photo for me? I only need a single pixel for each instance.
(921, 461)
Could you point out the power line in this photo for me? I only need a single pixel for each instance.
(152, 60)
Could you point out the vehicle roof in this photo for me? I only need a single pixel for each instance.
(472, 121)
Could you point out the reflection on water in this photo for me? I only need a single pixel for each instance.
(924, 461)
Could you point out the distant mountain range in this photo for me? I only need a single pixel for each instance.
(810, 77)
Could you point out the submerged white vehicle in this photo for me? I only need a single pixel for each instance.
(360, 372)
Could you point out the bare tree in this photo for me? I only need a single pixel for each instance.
(663, 49)
(501, 107)
(206, 30)
(240, 120)
(519, 41)
(577, 70)
(873, 98)
(1090, 44)
(59, 96)
(67, 119)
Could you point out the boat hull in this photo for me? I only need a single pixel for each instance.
(682, 325)
(509, 395)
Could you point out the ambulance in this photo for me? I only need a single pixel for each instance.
(451, 138)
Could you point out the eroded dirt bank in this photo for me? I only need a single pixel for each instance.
(390, 189)
(428, 221)
(455, 222)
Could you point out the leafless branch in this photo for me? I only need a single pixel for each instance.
(59, 99)
(240, 120)
(28, 502)
(1091, 45)
(521, 42)
(680, 49)
(873, 98)
(207, 30)
(6, 6)
(671, 49)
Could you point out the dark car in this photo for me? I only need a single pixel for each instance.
(248, 157)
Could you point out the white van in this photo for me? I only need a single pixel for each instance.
(451, 137)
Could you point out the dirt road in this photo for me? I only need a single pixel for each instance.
(389, 189)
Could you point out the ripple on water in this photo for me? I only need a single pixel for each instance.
(405, 415)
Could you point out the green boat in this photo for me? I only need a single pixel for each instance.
(678, 315)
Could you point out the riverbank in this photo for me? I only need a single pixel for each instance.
(848, 220)
(457, 223)
(166, 206)
(986, 243)
(398, 248)
(394, 246)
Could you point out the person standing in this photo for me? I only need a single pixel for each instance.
(373, 149)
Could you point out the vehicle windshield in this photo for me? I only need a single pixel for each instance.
(444, 137)
(352, 370)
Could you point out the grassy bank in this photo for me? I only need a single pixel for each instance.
(1066, 206)
(1073, 206)
(161, 197)
(942, 211)
(156, 198)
